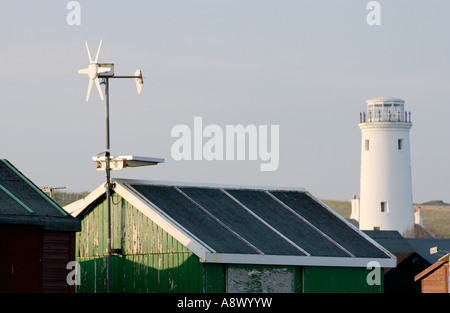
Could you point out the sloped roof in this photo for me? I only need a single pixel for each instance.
(22, 202)
(422, 246)
(242, 224)
(440, 262)
(391, 240)
(396, 243)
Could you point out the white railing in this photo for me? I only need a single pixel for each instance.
(384, 116)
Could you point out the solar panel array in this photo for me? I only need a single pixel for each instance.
(257, 221)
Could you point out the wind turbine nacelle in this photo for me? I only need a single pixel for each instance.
(109, 73)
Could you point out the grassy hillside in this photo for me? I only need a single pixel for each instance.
(437, 219)
(343, 208)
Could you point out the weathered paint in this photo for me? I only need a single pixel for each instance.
(261, 278)
(151, 259)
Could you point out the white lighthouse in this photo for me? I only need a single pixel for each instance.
(386, 190)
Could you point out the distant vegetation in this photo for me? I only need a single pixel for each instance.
(437, 219)
(65, 198)
(436, 213)
(343, 208)
(435, 202)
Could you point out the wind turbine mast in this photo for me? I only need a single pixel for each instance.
(106, 71)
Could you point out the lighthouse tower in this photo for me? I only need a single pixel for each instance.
(386, 188)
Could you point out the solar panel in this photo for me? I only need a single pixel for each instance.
(291, 226)
(328, 223)
(257, 221)
(193, 219)
(241, 221)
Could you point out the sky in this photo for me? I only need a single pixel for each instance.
(306, 66)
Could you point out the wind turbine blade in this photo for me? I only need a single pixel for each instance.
(99, 89)
(98, 51)
(139, 81)
(89, 54)
(83, 71)
(89, 89)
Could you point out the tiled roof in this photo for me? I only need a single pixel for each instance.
(22, 202)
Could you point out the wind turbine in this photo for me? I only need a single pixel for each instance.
(108, 163)
(93, 70)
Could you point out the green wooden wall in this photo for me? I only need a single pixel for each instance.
(339, 280)
(153, 261)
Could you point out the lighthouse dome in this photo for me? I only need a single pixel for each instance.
(385, 99)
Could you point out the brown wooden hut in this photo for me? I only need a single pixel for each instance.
(37, 237)
(434, 279)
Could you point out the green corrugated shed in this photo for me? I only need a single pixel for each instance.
(156, 252)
